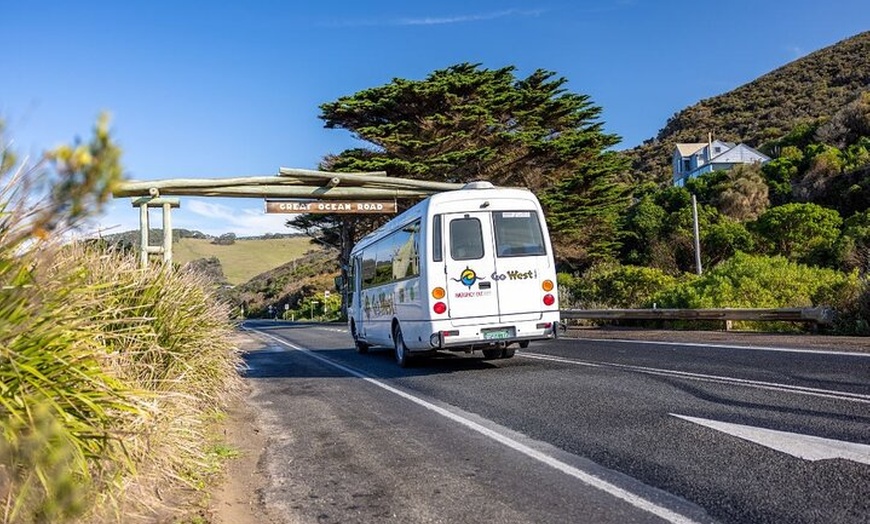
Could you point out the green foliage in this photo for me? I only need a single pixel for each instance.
(706, 187)
(641, 227)
(317, 307)
(724, 239)
(673, 199)
(466, 123)
(105, 370)
(800, 232)
(854, 245)
(617, 286)
(753, 281)
(583, 211)
(779, 174)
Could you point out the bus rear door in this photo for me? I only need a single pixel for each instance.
(470, 264)
(522, 264)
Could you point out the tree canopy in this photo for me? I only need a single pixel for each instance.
(467, 123)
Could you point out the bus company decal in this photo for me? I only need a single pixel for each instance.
(472, 294)
(515, 275)
(378, 306)
(468, 277)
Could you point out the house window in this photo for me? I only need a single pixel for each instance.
(717, 149)
(687, 164)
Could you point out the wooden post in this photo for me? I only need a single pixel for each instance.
(144, 230)
(167, 233)
(145, 248)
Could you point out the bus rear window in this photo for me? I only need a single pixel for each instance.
(518, 233)
(466, 239)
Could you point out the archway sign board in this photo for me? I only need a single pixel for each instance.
(288, 192)
(350, 207)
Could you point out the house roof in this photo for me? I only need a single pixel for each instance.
(690, 149)
(741, 153)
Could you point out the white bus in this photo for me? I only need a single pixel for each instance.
(462, 270)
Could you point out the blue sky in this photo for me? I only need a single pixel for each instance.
(219, 89)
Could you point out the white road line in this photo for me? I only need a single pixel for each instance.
(807, 447)
(773, 386)
(586, 478)
(727, 346)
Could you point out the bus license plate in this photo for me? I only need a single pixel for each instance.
(498, 333)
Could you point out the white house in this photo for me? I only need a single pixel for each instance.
(695, 159)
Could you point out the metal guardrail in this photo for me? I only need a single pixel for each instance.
(816, 315)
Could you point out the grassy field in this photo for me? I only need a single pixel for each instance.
(245, 258)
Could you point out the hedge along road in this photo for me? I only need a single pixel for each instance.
(571, 431)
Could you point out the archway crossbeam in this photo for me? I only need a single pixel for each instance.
(290, 183)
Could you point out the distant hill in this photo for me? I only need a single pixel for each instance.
(812, 87)
(310, 273)
(230, 259)
(244, 258)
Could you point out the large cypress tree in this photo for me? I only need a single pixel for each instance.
(466, 123)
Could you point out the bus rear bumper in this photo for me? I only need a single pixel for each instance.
(476, 337)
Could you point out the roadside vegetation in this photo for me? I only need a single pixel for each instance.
(109, 375)
(794, 232)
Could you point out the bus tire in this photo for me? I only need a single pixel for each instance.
(509, 352)
(402, 356)
(361, 347)
(489, 354)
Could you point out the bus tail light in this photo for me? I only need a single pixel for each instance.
(549, 300)
(547, 286)
(439, 308)
(438, 293)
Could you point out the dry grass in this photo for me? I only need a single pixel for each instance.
(108, 374)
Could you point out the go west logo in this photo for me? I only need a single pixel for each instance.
(515, 275)
(468, 277)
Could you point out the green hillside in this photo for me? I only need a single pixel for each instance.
(245, 258)
(814, 87)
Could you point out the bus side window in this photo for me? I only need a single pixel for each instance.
(350, 285)
(368, 268)
(437, 255)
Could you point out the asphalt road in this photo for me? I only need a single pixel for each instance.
(567, 431)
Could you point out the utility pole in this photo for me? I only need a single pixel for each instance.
(697, 235)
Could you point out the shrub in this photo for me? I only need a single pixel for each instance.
(749, 281)
(107, 372)
(799, 231)
(616, 286)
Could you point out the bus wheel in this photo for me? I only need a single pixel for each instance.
(361, 347)
(489, 354)
(524, 344)
(402, 357)
(509, 352)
